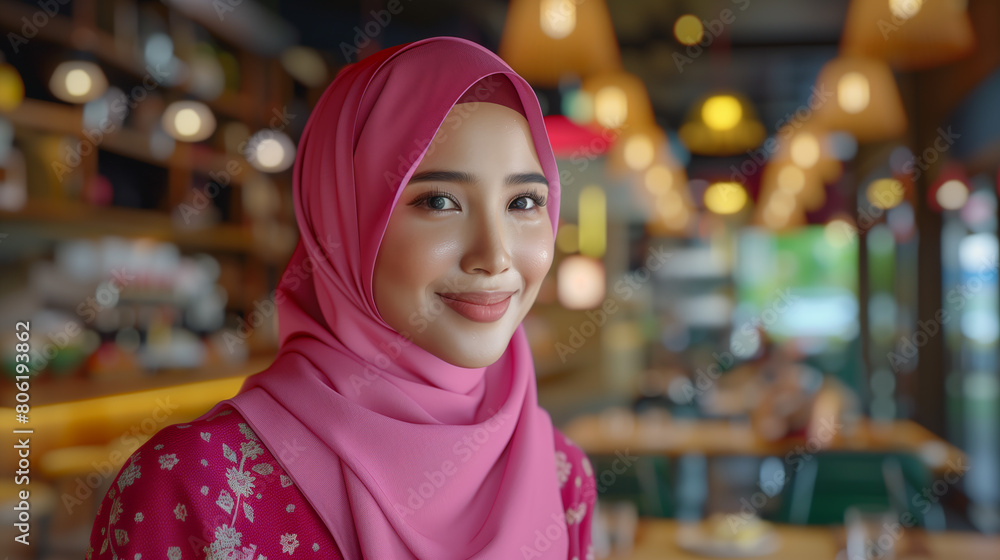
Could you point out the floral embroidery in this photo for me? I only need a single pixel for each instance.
(247, 432)
(562, 468)
(229, 453)
(130, 473)
(204, 490)
(158, 446)
(240, 481)
(168, 461)
(174, 553)
(225, 501)
(315, 547)
(121, 537)
(251, 450)
(575, 515)
(207, 436)
(288, 542)
(116, 510)
(290, 508)
(263, 468)
(181, 512)
(248, 511)
(138, 517)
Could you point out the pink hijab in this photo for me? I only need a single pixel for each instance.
(402, 455)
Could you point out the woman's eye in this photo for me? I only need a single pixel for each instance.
(523, 203)
(439, 202)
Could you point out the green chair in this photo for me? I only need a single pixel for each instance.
(823, 486)
(645, 482)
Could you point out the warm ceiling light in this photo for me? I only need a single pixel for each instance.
(885, 193)
(722, 125)
(722, 112)
(659, 179)
(639, 152)
(78, 81)
(271, 151)
(11, 88)
(305, 65)
(557, 17)
(547, 40)
(610, 107)
(727, 197)
(580, 282)
(867, 103)
(805, 150)
(952, 195)
(791, 179)
(688, 30)
(593, 219)
(905, 9)
(909, 34)
(620, 100)
(853, 92)
(188, 121)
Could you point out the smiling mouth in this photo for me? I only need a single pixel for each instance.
(481, 307)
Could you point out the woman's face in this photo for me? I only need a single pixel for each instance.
(469, 240)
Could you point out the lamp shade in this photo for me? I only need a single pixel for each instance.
(636, 149)
(188, 121)
(544, 40)
(78, 81)
(865, 100)
(909, 34)
(722, 124)
(11, 88)
(619, 99)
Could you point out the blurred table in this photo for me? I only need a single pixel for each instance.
(608, 433)
(656, 539)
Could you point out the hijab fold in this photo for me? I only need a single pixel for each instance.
(402, 454)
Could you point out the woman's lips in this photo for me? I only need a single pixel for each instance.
(481, 307)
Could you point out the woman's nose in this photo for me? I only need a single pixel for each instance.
(487, 247)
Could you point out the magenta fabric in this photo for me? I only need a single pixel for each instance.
(209, 490)
(407, 456)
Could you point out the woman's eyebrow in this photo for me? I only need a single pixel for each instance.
(464, 177)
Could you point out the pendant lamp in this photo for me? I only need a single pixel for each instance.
(722, 124)
(545, 40)
(865, 100)
(909, 34)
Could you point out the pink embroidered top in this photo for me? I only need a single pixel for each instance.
(211, 490)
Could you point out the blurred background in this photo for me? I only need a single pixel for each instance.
(773, 312)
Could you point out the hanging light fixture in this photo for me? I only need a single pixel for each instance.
(544, 40)
(271, 151)
(619, 100)
(78, 81)
(865, 101)
(909, 34)
(11, 87)
(722, 124)
(188, 121)
(668, 198)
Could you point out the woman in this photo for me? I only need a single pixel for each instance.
(399, 419)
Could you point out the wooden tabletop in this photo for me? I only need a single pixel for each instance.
(660, 435)
(657, 539)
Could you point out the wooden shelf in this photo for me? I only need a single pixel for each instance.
(62, 31)
(59, 391)
(74, 220)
